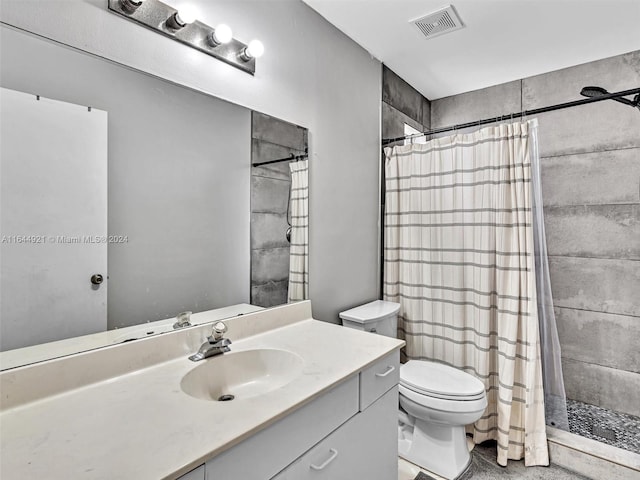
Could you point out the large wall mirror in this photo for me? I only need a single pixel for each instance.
(127, 199)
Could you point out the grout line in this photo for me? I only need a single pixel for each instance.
(595, 258)
(289, 147)
(589, 152)
(522, 94)
(624, 204)
(270, 282)
(596, 311)
(271, 248)
(270, 178)
(601, 366)
(587, 205)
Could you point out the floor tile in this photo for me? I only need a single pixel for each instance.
(484, 467)
(606, 426)
(409, 471)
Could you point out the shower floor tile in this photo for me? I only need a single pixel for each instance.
(606, 426)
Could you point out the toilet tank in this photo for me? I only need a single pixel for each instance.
(379, 317)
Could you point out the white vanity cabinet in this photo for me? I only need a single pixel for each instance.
(364, 447)
(337, 436)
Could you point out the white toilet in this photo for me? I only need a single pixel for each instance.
(436, 401)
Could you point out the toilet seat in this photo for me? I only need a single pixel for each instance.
(443, 396)
(457, 407)
(436, 380)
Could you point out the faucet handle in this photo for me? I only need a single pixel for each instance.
(182, 320)
(219, 329)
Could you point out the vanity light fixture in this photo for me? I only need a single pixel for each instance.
(183, 25)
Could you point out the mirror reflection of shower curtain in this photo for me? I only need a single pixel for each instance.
(299, 247)
(459, 258)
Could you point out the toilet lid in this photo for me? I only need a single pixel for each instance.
(371, 312)
(438, 380)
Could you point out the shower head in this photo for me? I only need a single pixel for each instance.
(593, 92)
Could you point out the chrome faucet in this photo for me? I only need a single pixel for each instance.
(215, 344)
(182, 320)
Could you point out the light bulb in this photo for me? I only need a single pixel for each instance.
(131, 5)
(221, 34)
(255, 49)
(188, 13)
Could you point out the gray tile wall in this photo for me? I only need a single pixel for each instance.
(591, 192)
(401, 104)
(271, 139)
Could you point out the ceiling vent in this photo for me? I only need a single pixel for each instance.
(439, 22)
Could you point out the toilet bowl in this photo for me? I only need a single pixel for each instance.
(436, 401)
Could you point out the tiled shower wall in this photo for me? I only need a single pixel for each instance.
(271, 139)
(401, 104)
(590, 160)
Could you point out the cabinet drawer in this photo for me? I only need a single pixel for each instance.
(366, 447)
(264, 454)
(377, 379)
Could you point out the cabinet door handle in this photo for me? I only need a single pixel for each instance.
(334, 454)
(389, 369)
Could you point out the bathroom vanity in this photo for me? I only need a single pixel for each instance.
(345, 433)
(312, 400)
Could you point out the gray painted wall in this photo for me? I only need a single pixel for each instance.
(591, 193)
(271, 139)
(178, 179)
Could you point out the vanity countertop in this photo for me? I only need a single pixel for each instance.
(69, 346)
(142, 425)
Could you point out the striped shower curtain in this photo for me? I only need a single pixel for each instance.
(299, 247)
(459, 258)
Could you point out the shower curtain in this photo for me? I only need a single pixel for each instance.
(555, 399)
(459, 258)
(299, 246)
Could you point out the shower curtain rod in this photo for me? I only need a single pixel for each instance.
(286, 159)
(524, 113)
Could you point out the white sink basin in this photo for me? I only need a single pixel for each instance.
(242, 375)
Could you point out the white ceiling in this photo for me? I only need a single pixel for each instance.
(503, 40)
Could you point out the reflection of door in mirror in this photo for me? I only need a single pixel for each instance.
(278, 156)
(178, 196)
(53, 165)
